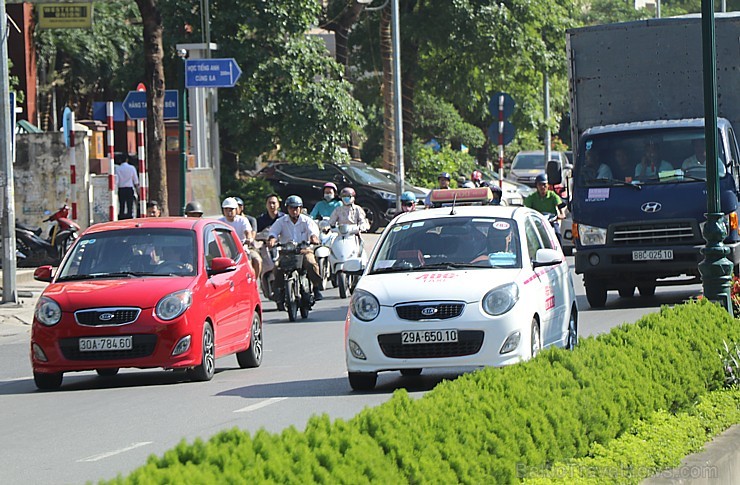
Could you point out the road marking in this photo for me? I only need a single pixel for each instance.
(261, 404)
(14, 380)
(103, 456)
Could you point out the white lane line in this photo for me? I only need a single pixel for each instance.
(103, 456)
(261, 404)
(14, 380)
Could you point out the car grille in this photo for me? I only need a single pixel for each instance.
(143, 346)
(469, 342)
(429, 311)
(97, 317)
(682, 232)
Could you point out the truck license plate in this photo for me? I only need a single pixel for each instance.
(99, 344)
(428, 336)
(652, 255)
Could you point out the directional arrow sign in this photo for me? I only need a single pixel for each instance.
(135, 104)
(211, 73)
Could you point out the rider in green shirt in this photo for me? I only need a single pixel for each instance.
(546, 201)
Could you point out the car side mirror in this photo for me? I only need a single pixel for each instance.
(42, 273)
(547, 257)
(554, 172)
(220, 265)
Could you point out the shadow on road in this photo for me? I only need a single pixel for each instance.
(662, 297)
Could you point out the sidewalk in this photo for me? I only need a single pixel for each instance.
(16, 318)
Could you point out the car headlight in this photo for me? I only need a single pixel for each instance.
(48, 312)
(591, 235)
(174, 304)
(364, 306)
(386, 195)
(500, 300)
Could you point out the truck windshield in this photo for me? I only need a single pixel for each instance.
(645, 157)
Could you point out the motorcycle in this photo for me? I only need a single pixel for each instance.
(322, 252)
(33, 250)
(347, 258)
(267, 276)
(296, 293)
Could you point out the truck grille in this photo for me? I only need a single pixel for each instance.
(681, 232)
(429, 311)
(469, 342)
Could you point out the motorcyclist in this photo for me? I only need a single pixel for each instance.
(546, 201)
(408, 201)
(325, 207)
(497, 194)
(194, 209)
(443, 179)
(249, 244)
(300, 228)
(477, 178)
(273, 212)
(349, 212)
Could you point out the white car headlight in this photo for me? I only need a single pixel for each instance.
(364, 306)
(591, 235)
(386, 195)
(48, 312)
(174, 304)
(500, 300)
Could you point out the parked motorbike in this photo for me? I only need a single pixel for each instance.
(267, 276)
(347, 258)
(34, 250)
(297, 293)
(322, 252)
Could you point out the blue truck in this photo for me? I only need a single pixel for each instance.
(639, 195)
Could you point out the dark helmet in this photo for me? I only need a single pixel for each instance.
(348, 192)
(541, 179)
(408, 196)
(294, 201)
(194, 206)
(330, 185)
(476, 176)
(444, 175)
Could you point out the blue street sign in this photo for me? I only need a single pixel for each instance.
(211, 73)
(509, 132)
(135, 104)
(508, 107)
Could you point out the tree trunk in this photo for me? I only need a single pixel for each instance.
(154, 82)
(386, 42)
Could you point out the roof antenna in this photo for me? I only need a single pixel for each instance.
(454, 200)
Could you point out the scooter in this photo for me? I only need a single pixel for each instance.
(64, 232)
(33, 250)
(347, 258)
(297, 293)
(267, 277)
(323, 250)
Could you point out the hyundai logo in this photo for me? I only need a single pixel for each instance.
(651, 207)
(105, 316)
(429, 311)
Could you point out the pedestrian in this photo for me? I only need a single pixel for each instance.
(194, 209)
(273, 212)
(152, 209)
(127, 182)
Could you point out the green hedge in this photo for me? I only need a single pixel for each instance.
(488, 425)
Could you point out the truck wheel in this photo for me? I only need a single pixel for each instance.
(596, 294)
(647, 290)
(627, 291)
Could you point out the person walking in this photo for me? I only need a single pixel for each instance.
(127, 182)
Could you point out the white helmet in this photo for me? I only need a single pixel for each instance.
(229, 203)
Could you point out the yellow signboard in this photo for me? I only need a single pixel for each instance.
(65, 15)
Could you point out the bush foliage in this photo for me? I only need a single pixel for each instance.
(484, 426)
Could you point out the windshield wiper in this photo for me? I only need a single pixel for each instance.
(618, 182)
(92, 276)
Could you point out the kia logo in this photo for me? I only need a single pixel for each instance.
(428, 311)
(651, 207)
(105, 316)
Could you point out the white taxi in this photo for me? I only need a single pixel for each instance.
(459, 286)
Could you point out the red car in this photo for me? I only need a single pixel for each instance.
(176, 293)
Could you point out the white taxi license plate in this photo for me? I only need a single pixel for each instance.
(652, 255)
(98, 344)
(428, 336)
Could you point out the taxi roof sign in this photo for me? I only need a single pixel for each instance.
(478, 195)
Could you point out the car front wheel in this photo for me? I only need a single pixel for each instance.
(207, 367)
(363, 381)
(48, 382)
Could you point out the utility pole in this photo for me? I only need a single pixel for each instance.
(397, 99)
(6, 169)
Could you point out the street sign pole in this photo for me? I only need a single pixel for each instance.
(183, 136)
(501, 141)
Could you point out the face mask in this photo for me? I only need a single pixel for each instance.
(328, 197)
(347, 200)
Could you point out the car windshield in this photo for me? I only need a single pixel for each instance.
(366, 174)
(531, 161)
(645, 157)
(450, 242)
(131, 253)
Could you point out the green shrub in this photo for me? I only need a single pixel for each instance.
(489, 425)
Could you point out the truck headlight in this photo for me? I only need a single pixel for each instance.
(364, 306)
(500, 300)
(48, 312)
(591, 235)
